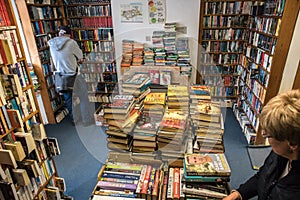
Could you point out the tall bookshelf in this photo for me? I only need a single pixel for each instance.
(265, 37)
(41, 20)
(265, 53)
(92, 28)
(27, 169)
(222, 35)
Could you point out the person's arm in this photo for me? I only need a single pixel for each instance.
(77, 52)
(234, 195)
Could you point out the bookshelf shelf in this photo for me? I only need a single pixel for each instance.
(40, 23)
(92, 28)
(268, 40)
(19, 118)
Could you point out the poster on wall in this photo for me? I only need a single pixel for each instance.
(157, 11)
(132, 12)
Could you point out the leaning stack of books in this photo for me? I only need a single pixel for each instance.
(120, 115)
(207, 121)
(178, 99)
(206, 176)
(172, 135)
(136, 84)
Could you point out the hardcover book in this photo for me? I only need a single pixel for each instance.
(137, 80)
(206, 165)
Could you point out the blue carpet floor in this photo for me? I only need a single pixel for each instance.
(83, 151)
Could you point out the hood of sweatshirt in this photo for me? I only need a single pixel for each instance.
(58, 42)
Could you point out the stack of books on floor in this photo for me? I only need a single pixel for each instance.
(207, 121)
(178, 99)
(172, 134)
(121, 116)
(206, 176)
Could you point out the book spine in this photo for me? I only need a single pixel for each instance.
(176, 188)
(141, 180)
(165, 186)
(146, 180)
(151, 183)
(156, 183)
(121, 176)
(180, 182)
(116, 186)
(119, 180)
(170, 184)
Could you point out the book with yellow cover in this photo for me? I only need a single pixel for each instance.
(178, 90)
(155, 98)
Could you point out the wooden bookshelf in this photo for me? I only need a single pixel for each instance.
(18, 97)
(40, 23)
(258, 77)
(222, 34)
(92, 28)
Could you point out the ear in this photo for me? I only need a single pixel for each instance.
(294, 147)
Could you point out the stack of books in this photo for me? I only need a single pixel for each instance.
(178, 98)
(136, 84)
(144, 134)
(127, 49)
(120, 116)
(122, 180)
(182, 47)
(138, 49)
(148, 55)
(208, 122)
(170, 44)
(206, 176)
(171, 136)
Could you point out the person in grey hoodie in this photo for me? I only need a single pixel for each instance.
(66, 56)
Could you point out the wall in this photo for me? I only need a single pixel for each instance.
(184, 13)
(293, 58)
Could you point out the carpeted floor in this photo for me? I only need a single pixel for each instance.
(83, 151)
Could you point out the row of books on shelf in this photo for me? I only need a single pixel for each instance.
(45, 12)
(219, 58)
(92, 22)
(4, 17)
(45, 27)
(224, 7)
(245, 124)
(197, 176)
(10, 49)
(223, 46)
(89, 10)
(225, 22)
(26, 163)
(220, 69)
(227, 34)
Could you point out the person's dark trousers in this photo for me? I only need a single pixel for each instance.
(85, 113)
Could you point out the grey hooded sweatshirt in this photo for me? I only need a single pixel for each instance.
(65, 53)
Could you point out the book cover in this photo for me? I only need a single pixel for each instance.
(206, 165)
(165, 77)
(154, 76)
(137, 80)
(155, 98)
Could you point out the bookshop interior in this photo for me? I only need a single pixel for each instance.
(177, 89)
